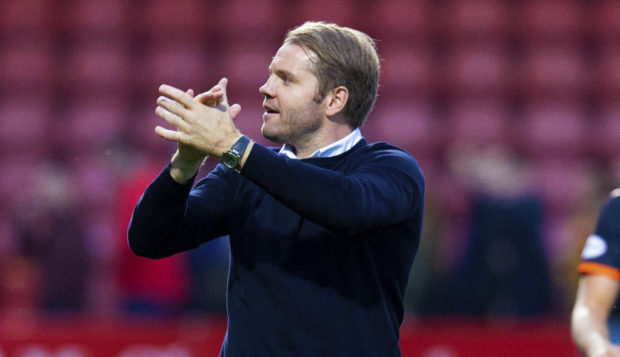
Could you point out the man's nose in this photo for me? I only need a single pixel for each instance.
(266, 89)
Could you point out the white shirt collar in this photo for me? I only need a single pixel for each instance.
(336, 148)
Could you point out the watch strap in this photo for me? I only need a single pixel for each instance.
(240, 146)
(232, 158)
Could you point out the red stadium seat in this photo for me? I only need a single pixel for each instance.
(604, 22)
(183, 65)
(101, 67)
(550, 21)
(553, 72)
(404, 123)
(141, 134)
(606, 74)
(344, 13)
(605, 134)
(179, 21)
(100, 19)
(27, 66)
(93, 123)
(478, 71)
(553, 129)
(479, 21)
(251, 21)
(247, 68)
(25, 124)
(562, 183)
(395, 21)
(28, 18)
(479, 123)
(406, 71)
(95, 182)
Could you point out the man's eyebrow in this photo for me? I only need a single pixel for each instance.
(284, 72)
(281, 72)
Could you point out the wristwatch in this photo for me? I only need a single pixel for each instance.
(232, 158)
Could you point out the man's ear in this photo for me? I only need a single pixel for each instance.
(335, 100)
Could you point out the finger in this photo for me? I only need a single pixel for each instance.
(167, 134)
(216, 89)
(169, 117)
(234, 110)
(172, 106)
(223, 83)
(190, 92)
(209, 98)
(177, 94)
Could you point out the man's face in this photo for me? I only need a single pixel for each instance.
(291, 112)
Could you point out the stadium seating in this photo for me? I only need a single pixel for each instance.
(406, 71)
(556, 129)
(93, 123)
(478, 21)
(395, 21)
(27, 65)
(482, 123)
(78, 85)
(25, 125)
(543, 22)
(28, 18)
(100, 67)
(95, 19)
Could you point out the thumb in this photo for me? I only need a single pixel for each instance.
(234, 110)
(223, 83)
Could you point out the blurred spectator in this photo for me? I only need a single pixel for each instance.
(147, 287)
(49, 233)
(504, 270)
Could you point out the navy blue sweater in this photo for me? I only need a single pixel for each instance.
(321, 249)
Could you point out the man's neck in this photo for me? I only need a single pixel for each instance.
(334, 147)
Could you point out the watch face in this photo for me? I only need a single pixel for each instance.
(230, 160)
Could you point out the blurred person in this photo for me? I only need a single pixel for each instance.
(504, 270)
(322, 231)
(147, 287)
(598, 286)
(50, 233)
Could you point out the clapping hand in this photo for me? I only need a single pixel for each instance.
(204, 126)
(204, 123)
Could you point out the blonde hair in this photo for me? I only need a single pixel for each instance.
(344, 57)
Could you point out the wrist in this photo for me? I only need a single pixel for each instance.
(181, 171)
(227, 143)
(237, 153)
(246, 153)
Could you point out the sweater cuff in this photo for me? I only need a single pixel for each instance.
(164, 184)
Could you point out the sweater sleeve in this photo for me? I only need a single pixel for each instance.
(164, 221)
(601, 253)
(387, 187)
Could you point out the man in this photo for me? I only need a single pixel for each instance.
(599, 283)
(322, 232)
